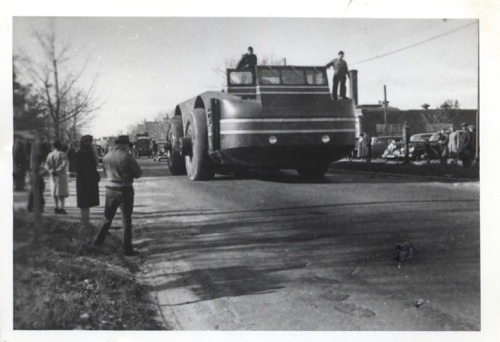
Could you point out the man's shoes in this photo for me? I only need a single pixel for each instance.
(131, 253)
(57, 210)
(62, 211)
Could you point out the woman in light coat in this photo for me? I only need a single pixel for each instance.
(57, 165)
(453, 144)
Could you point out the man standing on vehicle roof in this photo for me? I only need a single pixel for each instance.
(120, 169)
(248, 60)
(340, 73)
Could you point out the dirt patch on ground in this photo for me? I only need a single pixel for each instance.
(63, 283)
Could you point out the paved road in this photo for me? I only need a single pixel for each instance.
(282, 254)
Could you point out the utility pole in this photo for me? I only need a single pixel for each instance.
(385, 110)
(385, 103)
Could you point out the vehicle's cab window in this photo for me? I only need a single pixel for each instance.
(316, 77)
(292, 76)
(240, 77)
(270, 76)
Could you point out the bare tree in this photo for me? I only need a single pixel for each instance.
(450, 104)
(439, 118)
(135, 129)
(28, 113)
(76, 123)
(62, 93)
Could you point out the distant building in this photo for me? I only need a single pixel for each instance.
(156, 130)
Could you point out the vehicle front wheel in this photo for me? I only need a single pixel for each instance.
(199, 166)
(175, 161)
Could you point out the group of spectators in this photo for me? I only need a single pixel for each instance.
(457, 145)
(58, 163)
(119, 166)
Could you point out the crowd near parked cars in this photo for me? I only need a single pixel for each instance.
(448, 146)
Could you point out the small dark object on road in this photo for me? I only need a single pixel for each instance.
(404, 251)
(419, 302)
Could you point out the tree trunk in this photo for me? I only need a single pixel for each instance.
(37, 196)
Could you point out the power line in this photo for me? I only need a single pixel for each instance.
(410, 46)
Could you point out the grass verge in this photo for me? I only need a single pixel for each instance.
(66, 284)
(421, 169)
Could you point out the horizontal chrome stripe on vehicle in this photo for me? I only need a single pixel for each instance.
(286, 120)
(287, 131)
(285, 93)
(296, 86)
(294, 92)
(281, 86)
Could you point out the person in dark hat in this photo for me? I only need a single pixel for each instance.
(248, 60)
(466, 146)
(120, 169)
(87, 178)
(341, 71)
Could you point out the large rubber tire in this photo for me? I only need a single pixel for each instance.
(175, 162)
(199, 165)
(313, 169)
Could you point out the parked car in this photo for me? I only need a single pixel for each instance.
(161, 152)
(380, 144)
(416, 147)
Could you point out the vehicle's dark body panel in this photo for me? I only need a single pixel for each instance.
(242, 121)
(142, 147)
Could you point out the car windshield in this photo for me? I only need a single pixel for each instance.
(420, 137)
(379, 141)
(435, 137)
(241, 77)
(142, 143)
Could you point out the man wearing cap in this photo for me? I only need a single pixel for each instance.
(120, 169)
(339, 76)
(248, 60)
(466, 146)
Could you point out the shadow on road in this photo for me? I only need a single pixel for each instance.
(233, 281)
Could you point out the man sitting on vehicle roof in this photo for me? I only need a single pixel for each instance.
(248, 60)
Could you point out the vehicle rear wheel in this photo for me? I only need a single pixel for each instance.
(199, 166)
(175, 161)
(313, 169)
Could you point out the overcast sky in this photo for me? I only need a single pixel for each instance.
(148, 65)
